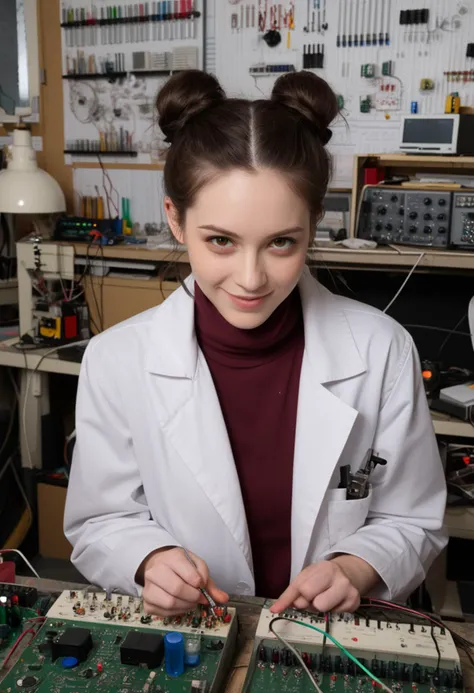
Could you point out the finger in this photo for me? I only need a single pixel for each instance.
(182, 567)
(201, 568)
(301, 603)
(316, 581)
(289, 596)
(157, 601)
(217, 594)
(349, 605)
(172, 583)
(332, 597)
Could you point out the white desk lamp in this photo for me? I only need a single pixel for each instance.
(25, 188)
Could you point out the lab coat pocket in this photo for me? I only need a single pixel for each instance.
(345, 516)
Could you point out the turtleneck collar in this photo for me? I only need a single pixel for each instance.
(233, 347)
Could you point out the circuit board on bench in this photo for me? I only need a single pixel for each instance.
(19, 607)
(89, 643)
(408, 655)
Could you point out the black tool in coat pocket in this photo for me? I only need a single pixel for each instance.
(346, 516)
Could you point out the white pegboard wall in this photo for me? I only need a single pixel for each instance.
(421, 52)
(127, 105)
(144, 189)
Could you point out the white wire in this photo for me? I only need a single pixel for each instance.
(27, 389)
(300, 659)
(2, 551)
(420, 258)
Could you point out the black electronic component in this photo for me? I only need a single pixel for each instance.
(462, 225)
(414, 218)
(198, 687)
(142, 648)
(27, 596)
(27, 682)
(74, 642)
(83, 229)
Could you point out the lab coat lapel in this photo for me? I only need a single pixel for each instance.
(324, 422)
(192, 419)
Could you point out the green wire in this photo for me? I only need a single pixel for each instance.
(341, 647)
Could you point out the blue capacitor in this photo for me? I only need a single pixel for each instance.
(69, 662)
(174, 654)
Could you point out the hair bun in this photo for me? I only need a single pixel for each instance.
(184, 96)
(311, 97)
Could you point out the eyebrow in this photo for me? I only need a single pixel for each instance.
(231, 234)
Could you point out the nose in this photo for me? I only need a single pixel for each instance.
(251, 276)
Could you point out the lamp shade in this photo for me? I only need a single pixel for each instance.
(25, 188)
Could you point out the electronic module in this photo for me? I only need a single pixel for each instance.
(408, 657)
(92, 640)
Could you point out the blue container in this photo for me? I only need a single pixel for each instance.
(414, 107)
(174, 654)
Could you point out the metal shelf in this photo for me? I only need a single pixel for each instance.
(88, 152)
(459, 522)
(445, 425)
(397, 257)
(84, 76)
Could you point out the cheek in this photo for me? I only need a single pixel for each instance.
(287, 271)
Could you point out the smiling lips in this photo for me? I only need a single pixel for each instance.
(249, 303)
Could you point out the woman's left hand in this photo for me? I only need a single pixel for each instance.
(323, 586)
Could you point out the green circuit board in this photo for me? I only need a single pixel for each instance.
(17, 605)
(295, 680)
(103, 670)
(15, 632)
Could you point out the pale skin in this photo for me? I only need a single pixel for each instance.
(247, 235)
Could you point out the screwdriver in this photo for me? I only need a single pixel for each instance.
(381, 41)
(369, 16)
(204, 592)
(349, 38)
(374, 33)
(339, 25)
(361, 38)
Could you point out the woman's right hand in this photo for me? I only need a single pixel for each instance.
(171, 583)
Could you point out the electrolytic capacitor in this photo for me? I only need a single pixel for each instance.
(174, 654)
(192, 651)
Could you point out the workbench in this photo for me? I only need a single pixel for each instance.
(248, 610)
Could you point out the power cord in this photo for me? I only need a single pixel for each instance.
(31, 374)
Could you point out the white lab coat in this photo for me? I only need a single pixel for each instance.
(153, 465)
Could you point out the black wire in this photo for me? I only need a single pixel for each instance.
(438, 329)
(437, 650)
(102, 280)
(453, 331)
(99, 328)
(458, 639)
(10, 98)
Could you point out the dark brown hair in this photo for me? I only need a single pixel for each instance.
(210, 133)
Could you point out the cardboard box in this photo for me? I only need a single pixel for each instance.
(51, 502)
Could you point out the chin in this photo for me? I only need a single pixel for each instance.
(245, 321)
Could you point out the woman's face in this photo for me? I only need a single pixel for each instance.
(247, 235)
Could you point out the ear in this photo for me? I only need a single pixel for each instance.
(173, 216)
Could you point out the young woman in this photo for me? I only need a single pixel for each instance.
(220, 420)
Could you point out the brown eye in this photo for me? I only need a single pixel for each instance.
(221, 241)
(282, 243)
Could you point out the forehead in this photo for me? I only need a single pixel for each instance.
(243, 202)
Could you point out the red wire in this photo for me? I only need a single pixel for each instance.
(15, 645)
(405, 609)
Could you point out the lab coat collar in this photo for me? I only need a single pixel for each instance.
(329, 344)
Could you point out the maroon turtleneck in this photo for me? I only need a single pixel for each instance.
(256, 374)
